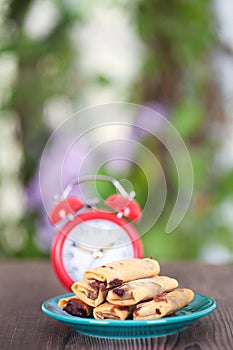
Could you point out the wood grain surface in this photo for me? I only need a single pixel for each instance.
(24, 285)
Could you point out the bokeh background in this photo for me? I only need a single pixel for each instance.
(57, 57)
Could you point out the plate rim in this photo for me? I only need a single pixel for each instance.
(161, 321)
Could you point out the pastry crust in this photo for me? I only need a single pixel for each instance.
(164, 304)
(133, 292)
(63, 302)
(124, 288)
(89, 292)
(118, 272)
(107, 311)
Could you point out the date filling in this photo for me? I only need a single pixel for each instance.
(75, 307)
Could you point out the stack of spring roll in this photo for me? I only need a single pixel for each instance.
(129, 288)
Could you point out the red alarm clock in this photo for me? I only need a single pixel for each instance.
(88, 236)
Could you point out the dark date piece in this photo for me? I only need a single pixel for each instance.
(115, 283)
(75, 307)
(119, 292)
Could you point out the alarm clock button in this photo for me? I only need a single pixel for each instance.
(125, 206)
(65, 209)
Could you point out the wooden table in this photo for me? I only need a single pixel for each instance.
(24, 285)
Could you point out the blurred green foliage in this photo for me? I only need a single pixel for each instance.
(179, 38)
(44, 69)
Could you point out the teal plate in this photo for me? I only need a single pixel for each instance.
(199, 307)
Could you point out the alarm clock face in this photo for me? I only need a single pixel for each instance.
(92, 243)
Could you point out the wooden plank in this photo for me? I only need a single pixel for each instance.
(24, 285)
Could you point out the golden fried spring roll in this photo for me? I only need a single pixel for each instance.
(112, 312)
(133, 292)
(116, 273)
(75, 307)
(164, 304)
(89, 292)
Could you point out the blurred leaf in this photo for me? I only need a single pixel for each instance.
(187, 118)
(224, 187)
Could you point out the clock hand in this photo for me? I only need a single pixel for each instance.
(99, 253)
(86, 250)
(106, 248)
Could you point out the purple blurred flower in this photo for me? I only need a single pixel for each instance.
(150, 117)
(121, 153)
(65, 160)
(53, 179)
